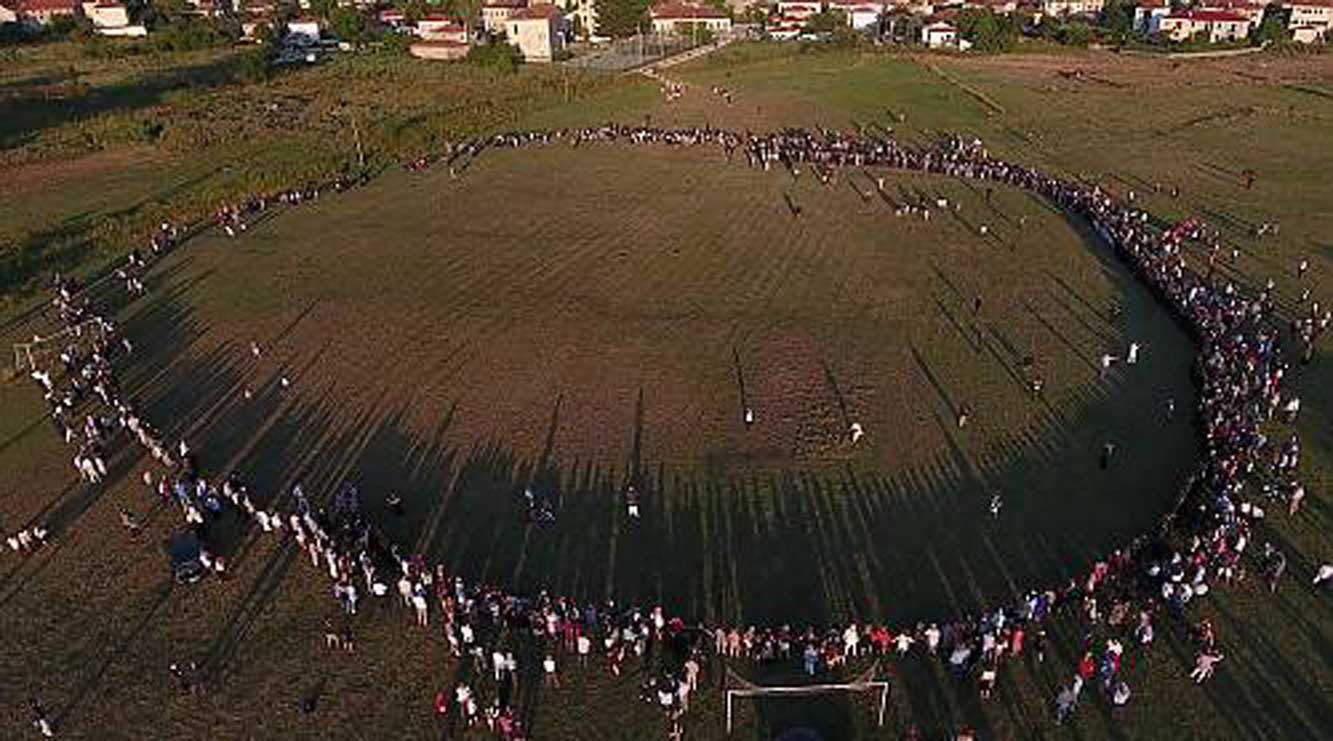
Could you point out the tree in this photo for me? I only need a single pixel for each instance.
(496, 55)
(1076, 34)
(468, 10)
(1118, 18)
(826, 21)
(413, 10)
(985, 31)
(350, 25)
(1272, 30)
(620, 18)
(696, 30)
(323, 8)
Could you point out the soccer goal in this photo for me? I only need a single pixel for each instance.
(34, 354)
(864, 685)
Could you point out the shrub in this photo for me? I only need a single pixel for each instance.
(496, 55)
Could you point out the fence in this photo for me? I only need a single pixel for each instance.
(636, 51)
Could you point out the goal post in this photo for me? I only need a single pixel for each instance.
(27, 354)
(882, 688)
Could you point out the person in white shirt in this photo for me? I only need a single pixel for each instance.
(550, 678)
(584, 649)
(851, 638)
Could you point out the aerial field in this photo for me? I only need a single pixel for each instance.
(571, 321)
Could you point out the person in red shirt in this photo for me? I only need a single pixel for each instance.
(441, 705)
(1086, 667)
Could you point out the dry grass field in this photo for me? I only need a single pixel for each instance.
(571, 320)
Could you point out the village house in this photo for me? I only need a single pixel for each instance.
(537, 31)
(940, 34)
(1062, 8)
(494, 13)
(799, 10)
(675, 17)
(860, 14)
(1309, 20)
(1215, 26)
(303, 31)
(920, 8)
(393, 19)
(1252, 11)
(998, 7)
(784, 28)
(439, 50)
(583, 14)
(442, 28)
(112, 19)
(1148, 15)
(37, 13)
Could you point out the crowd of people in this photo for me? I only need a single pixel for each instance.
(1205, 541)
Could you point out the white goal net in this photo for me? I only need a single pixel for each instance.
(751, 690)
(36, 353)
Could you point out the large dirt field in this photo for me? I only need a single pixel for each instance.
(573, 320)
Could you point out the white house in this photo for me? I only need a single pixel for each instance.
(1216, 25)
(440, 49)
(442, 28)
(1060, 8)
(1305, 34)
(37, 13)
(940, 35)
(860, 13)
(112, 19)
(537, 31)
(583, 14)
(303, 31)
(1253, 11)
(799, 9)
(998, 7)
(1313, 18)
(1148, 15)
(677, 17)
(494, 13)
(784, 28)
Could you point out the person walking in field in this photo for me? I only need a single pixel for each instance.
(1204, 666)
(550, 677)
(421, 606)
(1107, 360)
(632, 502)
(40, 720)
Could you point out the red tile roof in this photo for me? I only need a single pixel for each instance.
(674, 9)
(1210, 16)
(40, 6)
(535, 13)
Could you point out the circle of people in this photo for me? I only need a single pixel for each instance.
(1240, 376)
